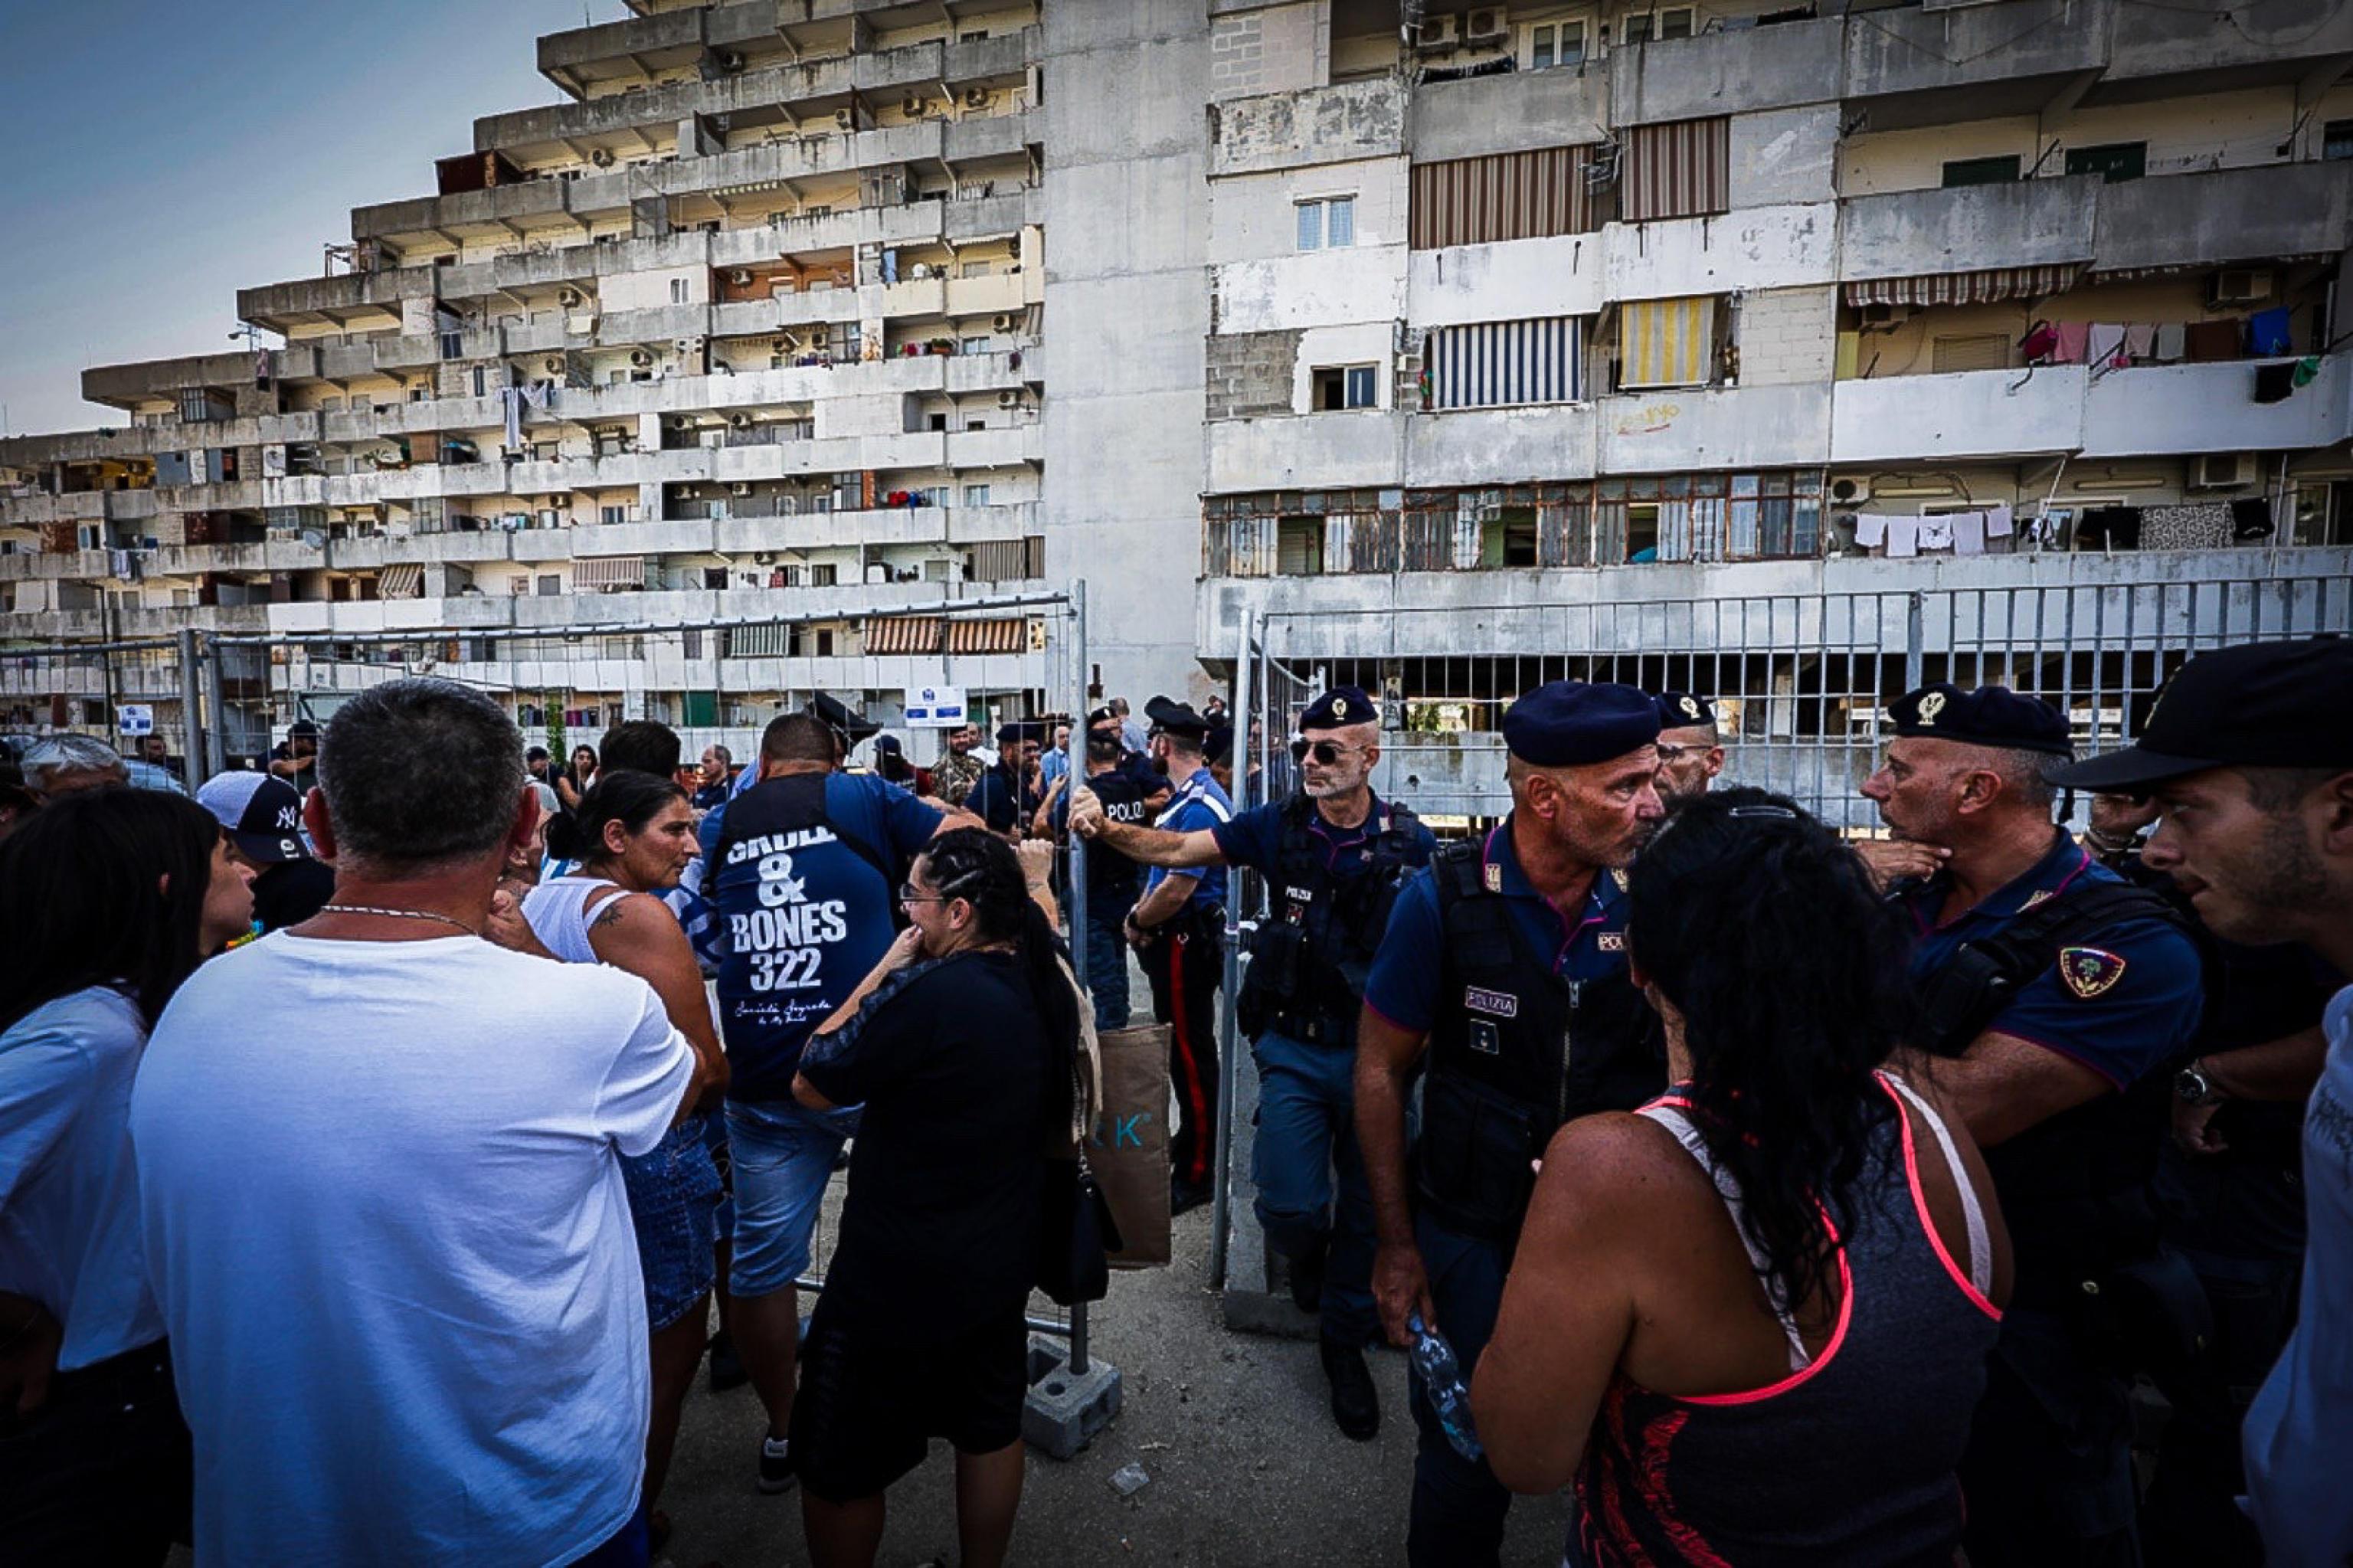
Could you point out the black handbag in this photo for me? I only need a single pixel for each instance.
(1076, 1233)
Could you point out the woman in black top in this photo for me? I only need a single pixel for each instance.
(961, 1045)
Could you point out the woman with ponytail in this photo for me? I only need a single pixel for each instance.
(962, 1047)
(1751, 1320)
(631, 835)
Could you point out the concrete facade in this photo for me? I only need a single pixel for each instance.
(815, 302)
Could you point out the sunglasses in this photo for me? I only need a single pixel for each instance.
(1324, 752)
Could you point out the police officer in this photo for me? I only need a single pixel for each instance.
(803, 872)
(2056, 994)
(1505, 962)
(1179, 927)
(1119, 797)
(845, 724)
(1334, 857)
(1691, 747)
(1007, 794)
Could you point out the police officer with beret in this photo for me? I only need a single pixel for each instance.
(1504, 965)
(1691, 747)
(2055, 994)
(1007, 795)
(1333, 856)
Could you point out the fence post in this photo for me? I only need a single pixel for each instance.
(191, 751)
(1076, 757)
(217, 708)
(1228, 1042)
(1915, 636)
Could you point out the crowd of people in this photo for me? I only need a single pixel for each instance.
(1789, 1197)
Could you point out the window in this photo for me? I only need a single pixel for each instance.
(482, 382)
(1299, 546)
(1509, 538)
(1644, 25)
(611, 517)
(825, 634)
(973, 345)
(2337, 139)
(1346, 387)
(1980, 171)
(451, 345)
(678, 291)
(825, 574)
(2118, 161)
(1642, 532)
(1548, 44)
(1982, 351)
(936, 421)
(1328, 223)
(975, 269)
(551, 586)
(975, 495)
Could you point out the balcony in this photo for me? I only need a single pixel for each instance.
(1916, 66)
(1727, 72)
(2185, 409)
(1500, 446)
(2229, 215)
(1673, 430)
(1751, 247)
(1517, 111)
(1511, 279)
(2024, 223)
(1970, 414)
(1363, 449)
(1307, 126)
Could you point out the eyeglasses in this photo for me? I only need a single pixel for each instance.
(1324, 752)
(1762, 813)
(908, 893)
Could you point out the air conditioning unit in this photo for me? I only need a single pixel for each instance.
(602, 157)
(1008, 399)
(740, 277)
(878, 573)
(641, 358)
(1849, 492)
(1483, 25)
(1438, 33)
(1882, 315)
(567, 298)
(739, 420)
(739, 488)
(2221, 470)
(553, 364)
(845, 119)
(1002, 320)
(728, 61)
(914, 107)
(2239, 286)
(977, 97)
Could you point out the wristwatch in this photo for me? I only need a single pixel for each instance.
(2193, 1085)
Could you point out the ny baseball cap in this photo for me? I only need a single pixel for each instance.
(2261, 704)
(261, 811)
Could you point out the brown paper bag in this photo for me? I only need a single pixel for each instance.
(1128, 1150)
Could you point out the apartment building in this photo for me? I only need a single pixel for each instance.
(1579, 304)
(1387, 320)
(746, 326)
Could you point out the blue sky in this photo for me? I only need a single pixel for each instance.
(163, 156)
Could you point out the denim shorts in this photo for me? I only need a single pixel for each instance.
(673, 1207)
(782, 1152)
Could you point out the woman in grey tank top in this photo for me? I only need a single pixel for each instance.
(1750, 1322)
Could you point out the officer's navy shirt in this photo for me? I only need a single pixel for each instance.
(1198, 805)
(764, 1029)
(1254, 840)
(1403, 985)
(2120, 1021)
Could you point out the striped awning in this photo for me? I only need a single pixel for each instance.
(939, 634)
(1666, 343)
(1507, 195)
(1496, 365)
(405, 581)
(1681, 169)
(1983, 287)
(594, 574)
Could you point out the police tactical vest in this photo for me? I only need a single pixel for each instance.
(808, 909)
(1515, 1051)
(1311, 955)
(1121, 796)
(2074, 1188)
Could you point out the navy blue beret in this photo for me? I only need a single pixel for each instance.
(1339, 707)
(1019, 730)
(1176, 717)
(1570, 723)
(1989, 716)
(1681, 710)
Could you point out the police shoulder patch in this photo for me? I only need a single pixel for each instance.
(2088, 972)
(1612, 941)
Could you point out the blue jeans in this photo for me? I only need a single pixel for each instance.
(673, 1208)
(1107, 957)
(1458, 1504)
(783, 1154)
(1306, 1132)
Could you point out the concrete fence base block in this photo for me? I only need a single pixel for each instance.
(1066, 1409)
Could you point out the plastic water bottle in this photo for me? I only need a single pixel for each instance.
(1441, 1380)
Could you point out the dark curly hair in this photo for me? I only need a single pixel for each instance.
(1761, 928)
